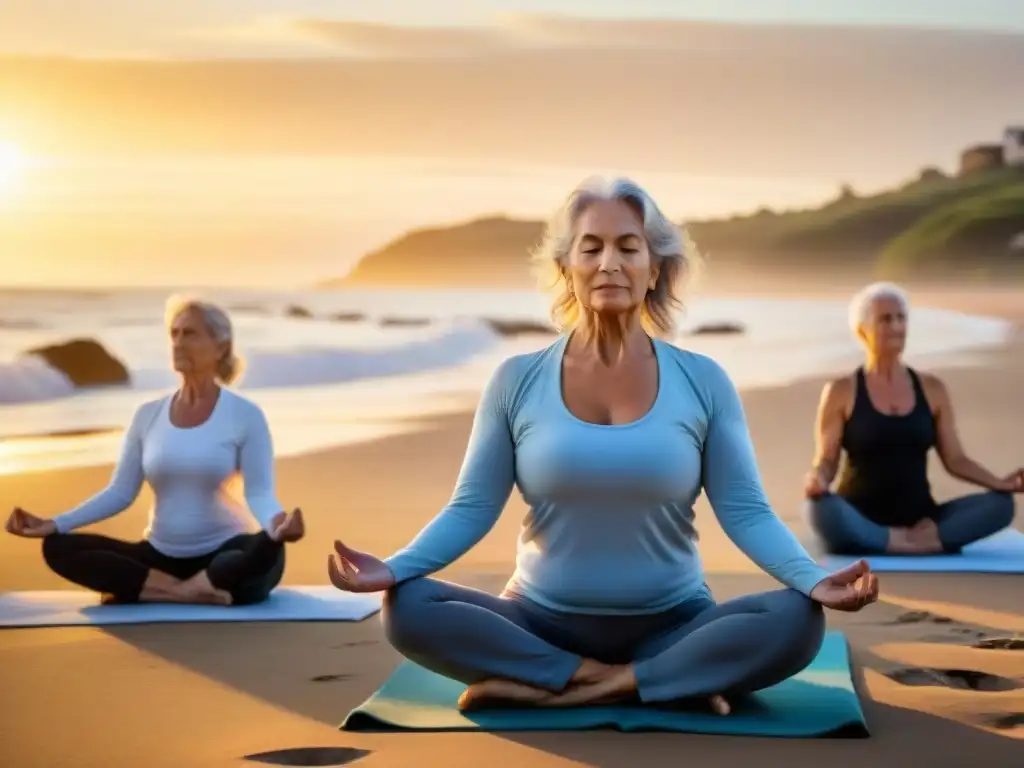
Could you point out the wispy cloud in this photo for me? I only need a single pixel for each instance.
(250, 29)
(535, 32)
(767, 101)
(389, 40)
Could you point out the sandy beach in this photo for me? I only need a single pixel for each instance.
(210, 695)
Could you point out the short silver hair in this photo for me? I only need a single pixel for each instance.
(218, 325)
(862, 301)
(669, 246)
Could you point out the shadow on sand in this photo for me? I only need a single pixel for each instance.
(331, 668)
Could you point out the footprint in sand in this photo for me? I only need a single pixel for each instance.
(311, 756)
(963, 679)
(331, 678)
(966, 631)
(355, 644)
(1007, 722)
(1002, 644)
(916, 617)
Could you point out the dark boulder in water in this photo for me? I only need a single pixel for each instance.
(84, 361)
(299, 312)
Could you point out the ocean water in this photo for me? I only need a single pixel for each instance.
(365, 361)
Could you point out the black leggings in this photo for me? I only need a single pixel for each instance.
(248, 566)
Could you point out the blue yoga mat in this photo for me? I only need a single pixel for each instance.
(819, 701)
(68, 608)
(1000, 553)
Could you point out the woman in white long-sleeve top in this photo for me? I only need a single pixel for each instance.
(200, 546)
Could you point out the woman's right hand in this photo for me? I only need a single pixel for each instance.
(27, 525)
(354, 571)
(814, 484)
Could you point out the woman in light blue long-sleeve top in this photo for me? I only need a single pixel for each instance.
(610, 435)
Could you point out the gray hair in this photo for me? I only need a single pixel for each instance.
(862, 301)
(218, 325)
(669, 246)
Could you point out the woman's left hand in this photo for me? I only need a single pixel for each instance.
(1014, 482)
(287, 527)
(848, 589)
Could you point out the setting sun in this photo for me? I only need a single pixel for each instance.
(12, 162)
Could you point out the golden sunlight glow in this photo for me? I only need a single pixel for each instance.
(13, 162)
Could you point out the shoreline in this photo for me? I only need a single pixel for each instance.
(387, 427)
(393, 426)
(1007, 306)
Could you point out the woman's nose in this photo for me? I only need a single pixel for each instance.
(610, 260)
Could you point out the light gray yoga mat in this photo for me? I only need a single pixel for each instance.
(1002, 552)
(68, 608)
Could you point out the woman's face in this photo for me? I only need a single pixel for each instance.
(610, 266)
(194, 351)
(885, 330)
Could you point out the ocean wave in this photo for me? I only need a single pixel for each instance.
(28, 379)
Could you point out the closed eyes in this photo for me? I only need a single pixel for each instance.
(595, 251)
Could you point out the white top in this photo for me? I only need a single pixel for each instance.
(190, 470)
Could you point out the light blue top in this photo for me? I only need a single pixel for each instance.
(191, 471)
(611, 523)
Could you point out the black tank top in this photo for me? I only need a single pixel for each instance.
(886, 471)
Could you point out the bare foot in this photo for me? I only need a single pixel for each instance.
(198, 589)
(922, 538)
(925, 536)
(899, 541)
(617, 686)
(497, 693)
(591, 671)
(719, 705)
(160, 587)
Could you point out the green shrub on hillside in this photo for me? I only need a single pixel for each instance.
(977, 228)
(862, 224)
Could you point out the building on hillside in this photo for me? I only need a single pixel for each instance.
(1013, 146)
(981, 157)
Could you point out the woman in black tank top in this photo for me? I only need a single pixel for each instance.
(886, 418)
(886, 470)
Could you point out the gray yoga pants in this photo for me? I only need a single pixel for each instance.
(692, 651)
(845, 531)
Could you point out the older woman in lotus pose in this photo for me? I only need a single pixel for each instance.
(199, 546)
(610, 435)
(887, 417)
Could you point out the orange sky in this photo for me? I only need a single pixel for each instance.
(135, 177)
(265, 28)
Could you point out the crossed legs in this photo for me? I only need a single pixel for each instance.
(243, 570)
(511, 649)
(954, 525)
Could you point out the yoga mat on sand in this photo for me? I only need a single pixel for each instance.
(1002, 552)
(67, 608)
(819, 701)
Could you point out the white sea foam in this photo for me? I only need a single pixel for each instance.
(324, 380)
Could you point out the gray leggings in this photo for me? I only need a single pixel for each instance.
(845, 531)
(692, 651)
